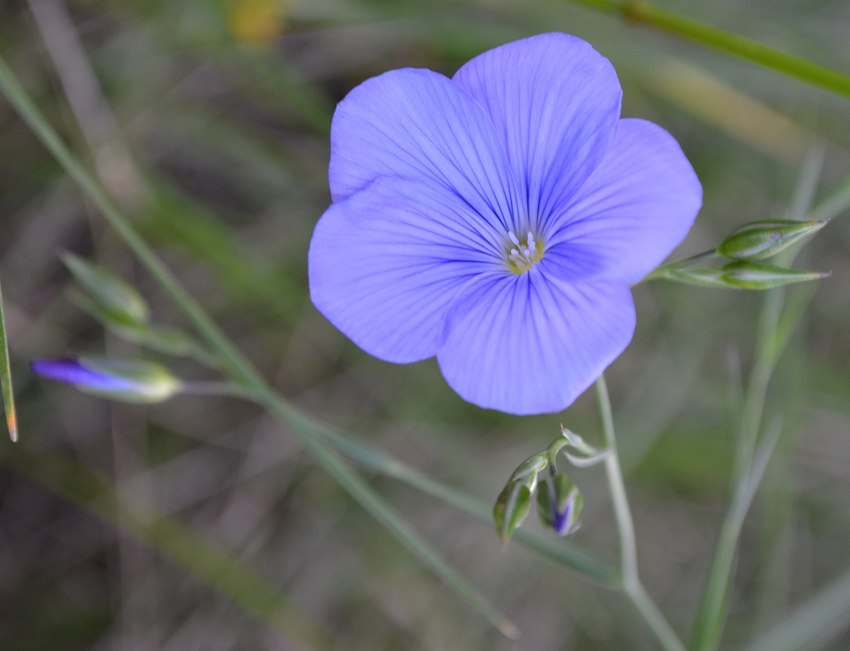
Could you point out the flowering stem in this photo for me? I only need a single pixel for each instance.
(638, 11)
(238, 367)
(630, 579)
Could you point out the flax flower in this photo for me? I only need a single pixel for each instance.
(497, 220)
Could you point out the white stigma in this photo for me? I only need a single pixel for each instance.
(523, 255)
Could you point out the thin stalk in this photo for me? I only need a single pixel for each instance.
(644, 13)
(242, 372)
(668, 270)
(366, 455)
(630, 578)
(218, 389)
(709, 626)
(622, 511)
(750, 458)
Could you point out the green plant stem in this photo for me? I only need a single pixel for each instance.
(217, 389)
(622, 512)
(368, 456)
(709, 627)
(668, 271)
(644, 13)
(237, 366)
(630, 578)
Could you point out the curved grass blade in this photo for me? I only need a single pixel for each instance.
(6, 378)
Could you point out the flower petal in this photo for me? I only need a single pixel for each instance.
(531, 344)
(638, 205)
(385, 264)
(555, 102)
(417, 124)
(73, 372)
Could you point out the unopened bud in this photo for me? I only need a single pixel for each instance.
(748, 275)
(108, 294)
(511, 508)
(702, 277)
(126, 380)
(764, 239)
(744, 275)
(559, 504)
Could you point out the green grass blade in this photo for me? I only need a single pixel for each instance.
(646, 14)
(238, 367)
(776, 322)
(813, 624)
(6, 378)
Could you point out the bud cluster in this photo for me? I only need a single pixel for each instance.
(559, 502)
(745, 248)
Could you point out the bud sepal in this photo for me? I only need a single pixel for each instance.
(559, 504)
(511, 507)
(764, 239)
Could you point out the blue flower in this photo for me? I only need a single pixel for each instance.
(497, 220)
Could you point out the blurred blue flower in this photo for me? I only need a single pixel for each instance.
(127, 380)
(497, 219)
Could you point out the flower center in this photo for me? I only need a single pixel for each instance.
(522, 256)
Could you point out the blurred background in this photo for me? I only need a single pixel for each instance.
(207, 121)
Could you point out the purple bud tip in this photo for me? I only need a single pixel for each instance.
(72, 372)
(561, 521)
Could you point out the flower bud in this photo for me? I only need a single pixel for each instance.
(126, 380)
(559, 504)
(763, 239)
(748, 275)
(702, 277)
(110, 297)
(511, 508)
(743, 275)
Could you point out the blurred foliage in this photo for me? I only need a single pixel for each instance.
(209, 125)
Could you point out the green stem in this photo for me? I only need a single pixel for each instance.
(219, 389)
(630, 578)
(749, 463)
(709, 626)
(638, 11)
(625, 524)
(668, 271)
(237, 366)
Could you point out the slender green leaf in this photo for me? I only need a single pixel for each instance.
(6, 378)
(646, 14)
